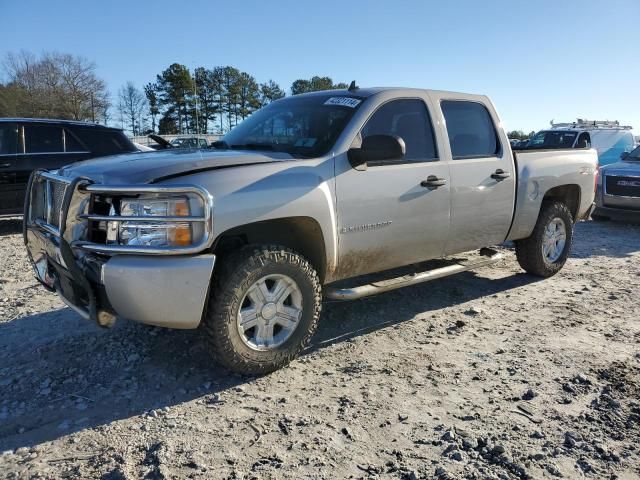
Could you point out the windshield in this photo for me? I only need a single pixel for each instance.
(304, 127)
(634, 154)
(553, 139)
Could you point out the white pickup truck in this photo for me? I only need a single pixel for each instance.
(312, 189)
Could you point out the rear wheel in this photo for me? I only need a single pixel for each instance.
(546, 251)
(264, 308)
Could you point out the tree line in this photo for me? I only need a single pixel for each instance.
(179, 100)
(203, 101)
(520, 135)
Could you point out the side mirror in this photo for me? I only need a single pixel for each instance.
(376, 148)
(219, 144)
(624, 155)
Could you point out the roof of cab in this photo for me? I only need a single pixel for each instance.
(370, 91)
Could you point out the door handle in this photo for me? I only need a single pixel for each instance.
(433, 182)
(500, 174)
(5, 165)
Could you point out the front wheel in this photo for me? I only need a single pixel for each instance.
(264, 308)
(546, 251)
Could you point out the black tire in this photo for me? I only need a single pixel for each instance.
(231, 282)
(529, 251)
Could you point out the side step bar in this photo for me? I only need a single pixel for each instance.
(491, 257)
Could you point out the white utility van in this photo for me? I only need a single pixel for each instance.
(609, 139)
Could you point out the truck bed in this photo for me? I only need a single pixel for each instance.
(542, 171)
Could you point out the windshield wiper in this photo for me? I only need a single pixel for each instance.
(252, 146)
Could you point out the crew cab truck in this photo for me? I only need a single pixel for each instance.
(313, 189)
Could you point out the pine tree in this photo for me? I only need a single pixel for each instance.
(150, 91)
(269, 92)
(315, 84)
(175, 91)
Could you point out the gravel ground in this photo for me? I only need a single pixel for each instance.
(493, 374)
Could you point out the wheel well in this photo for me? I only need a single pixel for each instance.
(302, 234)
(567, 194)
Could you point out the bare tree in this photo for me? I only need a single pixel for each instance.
(56, 85)
(85, 93)
(131, 104)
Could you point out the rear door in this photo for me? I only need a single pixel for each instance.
(8, 150)
(482, 175)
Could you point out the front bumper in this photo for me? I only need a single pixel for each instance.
(163, 290)
(617, 207)
(618, 214)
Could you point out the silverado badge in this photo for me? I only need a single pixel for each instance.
(366, 226)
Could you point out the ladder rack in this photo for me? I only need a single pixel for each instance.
(585, 124)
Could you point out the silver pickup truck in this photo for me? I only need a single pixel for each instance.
(313, 189)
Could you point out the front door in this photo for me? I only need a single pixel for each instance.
(387, 215)
(8, 149)
(482, 177)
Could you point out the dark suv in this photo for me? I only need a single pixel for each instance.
(29, 144)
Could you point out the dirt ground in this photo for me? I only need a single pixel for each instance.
(492, 374)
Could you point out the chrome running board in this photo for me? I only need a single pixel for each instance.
(491, 257)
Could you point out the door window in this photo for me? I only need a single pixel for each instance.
(471, 130)
(8, 138)
(105, 142)
(552, 139)
(43, 139)
(409, 120)
(71, 144)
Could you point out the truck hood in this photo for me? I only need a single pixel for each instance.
(148, 167)
(622, 168)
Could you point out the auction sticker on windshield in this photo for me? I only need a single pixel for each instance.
(343, 102)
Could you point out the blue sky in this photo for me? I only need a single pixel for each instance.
(538, 59)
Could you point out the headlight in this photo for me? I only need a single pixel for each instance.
(149, 233)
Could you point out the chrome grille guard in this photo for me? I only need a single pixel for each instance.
(37, 208)
(46, 209)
